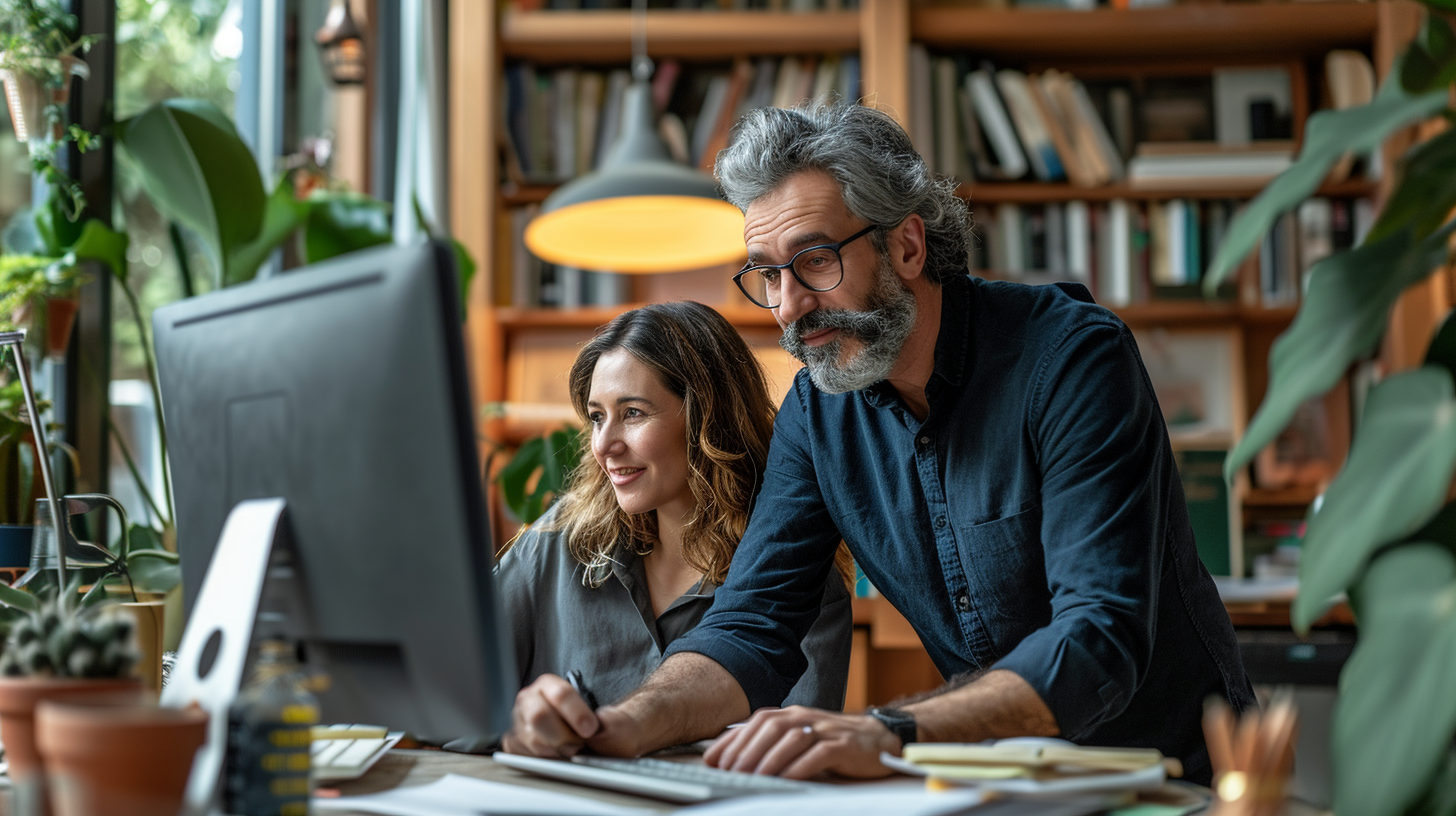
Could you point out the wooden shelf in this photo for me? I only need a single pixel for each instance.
(606, 36)
(1298, 497)
(1034, 192)
(1031, 192)
(1177, 32)
(515, 319)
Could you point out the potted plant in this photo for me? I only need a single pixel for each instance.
(1385, 531)
(61, 647)
(108, 755)
(38, 46)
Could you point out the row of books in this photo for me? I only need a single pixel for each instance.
(561, 122)
(1232, 127)
(1132, 251)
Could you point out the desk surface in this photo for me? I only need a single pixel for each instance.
(409, 768)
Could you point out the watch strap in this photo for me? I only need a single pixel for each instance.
(901, 723)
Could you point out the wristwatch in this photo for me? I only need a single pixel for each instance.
(900, 723)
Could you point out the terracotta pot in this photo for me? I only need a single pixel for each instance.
(18, 698)
(26, 94)
(109, 756)
(60, 317)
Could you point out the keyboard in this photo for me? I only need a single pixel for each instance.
(343, 752)
(657, 778)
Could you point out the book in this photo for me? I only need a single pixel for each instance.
(590, 89)
(972, 137)
(1114, 242)
(1059, 129)
(610, 125)
(1030, 127)
(1088, 126)
(1350, 82)
(951, 158)
(566, 99)
(922, 105)
(737, 90)
(1164, 165)
(1005, 146)
(848, 83)
(825, 77)
(714, 101)
(1078, 218)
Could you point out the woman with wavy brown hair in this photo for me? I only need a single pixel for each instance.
(678, 420)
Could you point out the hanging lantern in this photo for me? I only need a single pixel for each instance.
(341, 45)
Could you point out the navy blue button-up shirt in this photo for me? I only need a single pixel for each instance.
(1034, 521)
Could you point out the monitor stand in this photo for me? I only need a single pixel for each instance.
(250, 588)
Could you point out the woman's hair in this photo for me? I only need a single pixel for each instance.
(697, 355)
(880, 176)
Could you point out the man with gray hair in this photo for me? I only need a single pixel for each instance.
(991, 452)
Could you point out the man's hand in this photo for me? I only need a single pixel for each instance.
(550, 720)
(800, 743)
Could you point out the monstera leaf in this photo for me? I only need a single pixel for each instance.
(1328, 136)
(1396, 713)
(200, 173)
(1343, 317)
(1395, 481)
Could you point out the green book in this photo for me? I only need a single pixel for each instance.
(1209, 509)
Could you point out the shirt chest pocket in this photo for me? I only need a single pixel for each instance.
(1006, 570)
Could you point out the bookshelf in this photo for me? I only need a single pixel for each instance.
(1190, 37)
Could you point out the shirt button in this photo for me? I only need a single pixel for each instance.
(924, 440)
(963, 602)
(940, 523)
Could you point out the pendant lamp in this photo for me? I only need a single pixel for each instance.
(640, 211)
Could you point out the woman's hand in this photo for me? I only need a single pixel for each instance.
(549, 720)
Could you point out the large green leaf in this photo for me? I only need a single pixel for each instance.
(16, 599)
(552, 456)
(281, 217)
(1427, 191)
(1328, 135)
(344, 222)
(154, 570)
(1430, 61)
(198, 172)
(99, 242)
(1440, 797)
(1395, 481)
(1343, 317)
(1396, 712)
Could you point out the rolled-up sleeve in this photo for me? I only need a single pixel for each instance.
(776, 583)
(1100, 439)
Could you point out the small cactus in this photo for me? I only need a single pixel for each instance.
(75, 640)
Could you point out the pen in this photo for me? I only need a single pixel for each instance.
(574, 678)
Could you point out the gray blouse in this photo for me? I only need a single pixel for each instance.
(610, 635)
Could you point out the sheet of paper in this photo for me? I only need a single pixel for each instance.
(901, 799)
(455, 795)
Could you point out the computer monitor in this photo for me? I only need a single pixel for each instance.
(341, 387)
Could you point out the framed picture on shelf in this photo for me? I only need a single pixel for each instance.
(1197, 375)
(1308, 452)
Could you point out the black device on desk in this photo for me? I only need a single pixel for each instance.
(342, 388)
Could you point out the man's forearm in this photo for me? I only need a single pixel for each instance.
(689, 697)
(998, 704)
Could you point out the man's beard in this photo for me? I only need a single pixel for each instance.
(881, 330)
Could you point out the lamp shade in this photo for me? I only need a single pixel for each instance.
(641, 211)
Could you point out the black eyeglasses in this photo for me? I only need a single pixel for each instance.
(818, 268)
